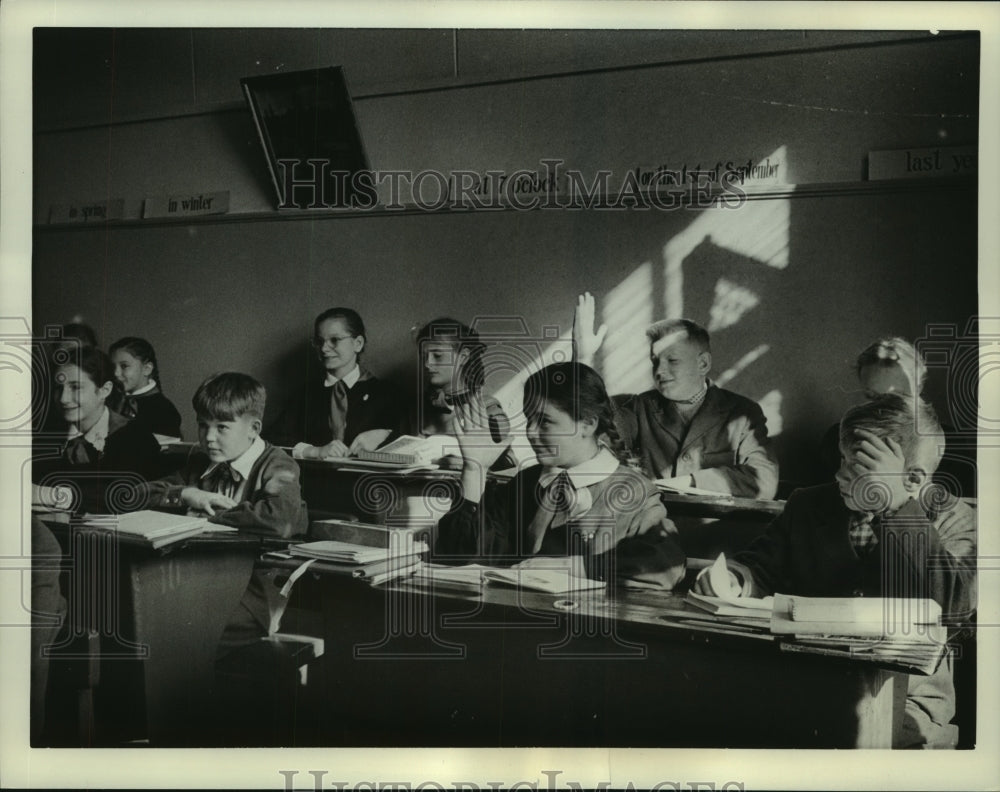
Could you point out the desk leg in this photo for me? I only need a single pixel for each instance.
(880, 708)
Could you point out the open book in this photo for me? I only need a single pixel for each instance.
(157, 528)
(664, 486)
(551, 581)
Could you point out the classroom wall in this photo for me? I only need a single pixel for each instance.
(796, 285)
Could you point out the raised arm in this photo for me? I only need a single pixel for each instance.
(586, 340)
(476, 527)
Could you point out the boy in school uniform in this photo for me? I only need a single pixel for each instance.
(871, 533)
(237, 479)
(687, 430)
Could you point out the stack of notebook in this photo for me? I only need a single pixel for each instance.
(158, 529)
(467, 579)
(374, 564)
(903, 631)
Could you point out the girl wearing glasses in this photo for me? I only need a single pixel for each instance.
(347, 408)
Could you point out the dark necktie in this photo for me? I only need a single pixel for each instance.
(553, 510)
(130, 407)
(79, 452)
(224, 480)
(338, 409)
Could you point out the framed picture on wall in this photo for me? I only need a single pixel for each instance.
(306, 124)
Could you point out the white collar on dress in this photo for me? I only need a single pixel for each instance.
(144, 389)
(96, 434)
(350, 378)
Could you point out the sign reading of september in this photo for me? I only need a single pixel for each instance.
(186, 205)
(99, 211)
(922, 163)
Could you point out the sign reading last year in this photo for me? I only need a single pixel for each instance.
(923, 163)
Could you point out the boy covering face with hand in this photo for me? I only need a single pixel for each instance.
(871, 534)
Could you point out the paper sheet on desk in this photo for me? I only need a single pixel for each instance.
(662, 485)
(551, 581)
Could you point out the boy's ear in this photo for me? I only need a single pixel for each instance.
(105, 390)
(147, 369)
(256, 425)
(704, 362)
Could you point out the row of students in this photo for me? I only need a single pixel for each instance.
(136, 390)
(349, 409)
(580, 504)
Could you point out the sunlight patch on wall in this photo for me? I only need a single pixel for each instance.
(627, 310)
(749, 358)
(757, 230)
(731, 302)
(771, 405)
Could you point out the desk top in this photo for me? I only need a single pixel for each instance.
(645, 611)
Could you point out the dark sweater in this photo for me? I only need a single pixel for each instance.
(156, 412)
(111, 480)
(306, 418)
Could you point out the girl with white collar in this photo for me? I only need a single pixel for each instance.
(579, 509)
(105, 457)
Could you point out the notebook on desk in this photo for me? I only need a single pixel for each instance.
(550, 581)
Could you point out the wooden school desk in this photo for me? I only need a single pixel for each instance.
(404, 667)
(711, 525)
(141, 633)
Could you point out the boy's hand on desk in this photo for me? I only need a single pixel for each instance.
(208, 502)
(703, 585)
(369, 441)
(586, 341)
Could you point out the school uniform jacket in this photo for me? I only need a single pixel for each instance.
(724, 447)
(624, 537)
(111, 480)
(371, 404)
(807, 551)
(272, 502)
